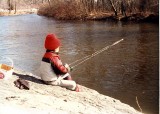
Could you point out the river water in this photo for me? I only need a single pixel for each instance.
(125, 71)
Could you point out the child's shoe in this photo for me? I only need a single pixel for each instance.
(77, 88)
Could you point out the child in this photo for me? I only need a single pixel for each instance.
(52, 68)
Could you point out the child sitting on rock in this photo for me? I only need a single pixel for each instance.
(52, 69)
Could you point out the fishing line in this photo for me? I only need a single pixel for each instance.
(87, 56)
(82, 60)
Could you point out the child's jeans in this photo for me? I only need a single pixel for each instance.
(69, 84)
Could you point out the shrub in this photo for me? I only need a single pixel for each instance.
(63, 10)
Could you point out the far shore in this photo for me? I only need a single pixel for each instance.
(136, 17)
(4, 12)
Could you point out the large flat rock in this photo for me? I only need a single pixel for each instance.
(47, 99)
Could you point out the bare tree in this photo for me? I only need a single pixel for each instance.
(113, 7)
(10, 5)
(15, 7)
(123, 8)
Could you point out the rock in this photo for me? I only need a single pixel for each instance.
(44, 99)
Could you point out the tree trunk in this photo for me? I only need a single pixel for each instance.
(9, 5)
(113, 7)
(123, 8)
(15, 7)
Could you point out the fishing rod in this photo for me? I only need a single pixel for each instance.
(82, 60)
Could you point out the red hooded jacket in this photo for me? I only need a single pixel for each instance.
(56, 63)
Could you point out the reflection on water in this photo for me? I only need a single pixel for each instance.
(125, 71)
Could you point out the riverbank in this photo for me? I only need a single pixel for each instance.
(84, 11)
(101, 16)
(44, 99)
(4, 12)
(136, 17)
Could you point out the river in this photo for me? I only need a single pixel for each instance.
(126, 71)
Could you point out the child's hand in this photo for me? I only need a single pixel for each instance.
(67, 67)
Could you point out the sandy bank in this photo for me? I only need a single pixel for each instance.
(18, 12)
(46, 99)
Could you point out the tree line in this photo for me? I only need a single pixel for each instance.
(15, 4)
(119, 6)
(85, 7)
(80, 8)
